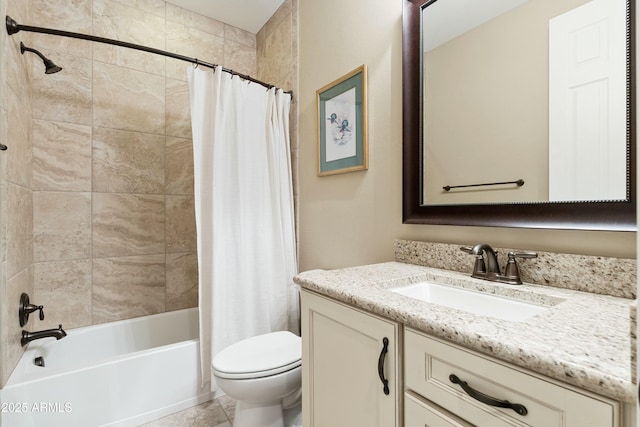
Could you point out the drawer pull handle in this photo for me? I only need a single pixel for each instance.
(520, 409)
(383, 353)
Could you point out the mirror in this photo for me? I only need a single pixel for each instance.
(482, 104)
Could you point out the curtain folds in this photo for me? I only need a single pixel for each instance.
(244, 210)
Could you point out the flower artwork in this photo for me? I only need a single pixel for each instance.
(340, 126)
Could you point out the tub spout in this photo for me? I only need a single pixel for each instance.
(30, 336)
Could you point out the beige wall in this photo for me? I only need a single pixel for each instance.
(354, 218)
(97, 185)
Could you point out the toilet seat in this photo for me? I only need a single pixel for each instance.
(259, 357)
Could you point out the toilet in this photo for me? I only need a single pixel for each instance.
(263, 374)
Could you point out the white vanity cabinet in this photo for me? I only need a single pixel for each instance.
(347, 355)
(431, 365)
(443, 384)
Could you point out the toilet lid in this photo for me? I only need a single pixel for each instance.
(259, 356)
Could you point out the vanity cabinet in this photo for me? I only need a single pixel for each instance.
(444, 385)
(348, 355)
(439, 372)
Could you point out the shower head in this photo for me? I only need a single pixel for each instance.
(50, 67)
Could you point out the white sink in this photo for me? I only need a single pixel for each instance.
(472, 301)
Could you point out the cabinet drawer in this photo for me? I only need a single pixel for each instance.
(418, 413)
(429, 363)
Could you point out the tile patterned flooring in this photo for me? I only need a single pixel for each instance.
(214, 413)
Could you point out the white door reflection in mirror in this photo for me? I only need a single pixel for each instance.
(587, 108)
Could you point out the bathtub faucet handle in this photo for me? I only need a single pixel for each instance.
(26, 309)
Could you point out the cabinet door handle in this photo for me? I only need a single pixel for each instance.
(383, 353)
(520, 409)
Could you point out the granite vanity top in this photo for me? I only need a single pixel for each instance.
(583, 339)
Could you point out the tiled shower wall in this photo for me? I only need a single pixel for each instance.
(114, 229)
(97, 187)
(277, 50)
(16, 205)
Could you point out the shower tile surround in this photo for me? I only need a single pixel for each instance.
(565, 353)
(97, 216)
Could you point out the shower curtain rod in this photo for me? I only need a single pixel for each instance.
(13, 27)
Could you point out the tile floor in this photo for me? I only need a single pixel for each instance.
(214, 413)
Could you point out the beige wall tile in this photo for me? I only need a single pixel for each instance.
(127, 23)
(128, 99)
(61, 156)
(128, 162)
(182, 281)
(64, 96)
(128, 224)
(181, 224)
(6, 365)
(62, 225)
(18, 156)
(278, 53)
(4, 195)
(194, 20)
(240, 58)
(155, 7)
(194, 43)
(11, 348)
(63, 15)
(4, 138)
(20, 229)
(277, 44)
(16, 241)
(64, 289)
(178, 114)
(16, 68)
(179, 166)
(287, 10)
(128, 287)
(238, 35)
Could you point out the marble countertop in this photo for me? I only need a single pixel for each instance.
(583, 339)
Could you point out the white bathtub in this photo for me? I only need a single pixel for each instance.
(116, 374)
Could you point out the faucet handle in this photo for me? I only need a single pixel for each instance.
(523, 254)
(479, 267)
(511, 271)
(25, 309)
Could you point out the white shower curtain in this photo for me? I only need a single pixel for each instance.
(244, 210)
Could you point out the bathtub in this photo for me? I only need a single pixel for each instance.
(115, 374)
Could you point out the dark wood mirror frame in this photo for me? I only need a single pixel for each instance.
(600, 215)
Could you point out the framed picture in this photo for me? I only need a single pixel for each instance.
(342, 124)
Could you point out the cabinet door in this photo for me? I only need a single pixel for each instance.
(343, 360)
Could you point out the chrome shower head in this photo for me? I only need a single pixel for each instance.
(50, 67)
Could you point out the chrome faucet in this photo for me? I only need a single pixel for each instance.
(54, 333)
(490, 270)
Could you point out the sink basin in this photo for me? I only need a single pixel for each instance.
(472, 301)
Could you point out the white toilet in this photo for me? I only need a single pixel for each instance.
(263, 374)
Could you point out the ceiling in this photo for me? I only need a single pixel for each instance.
(250, 15)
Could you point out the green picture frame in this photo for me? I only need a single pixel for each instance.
(342, 124)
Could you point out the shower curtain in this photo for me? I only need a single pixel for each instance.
(244, 210)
